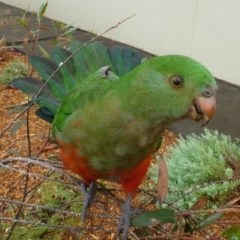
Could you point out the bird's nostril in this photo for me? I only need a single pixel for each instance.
(208, 93)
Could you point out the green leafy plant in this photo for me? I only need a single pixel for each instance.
(202, 166)
(63, 32)
(233, 233)
(51, 195)
(198, 166)
(15, 69)
(202, 172)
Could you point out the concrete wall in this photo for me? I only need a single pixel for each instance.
(207, 30)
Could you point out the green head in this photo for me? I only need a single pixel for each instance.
(173, 87)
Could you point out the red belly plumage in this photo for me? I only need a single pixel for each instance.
(130, 179)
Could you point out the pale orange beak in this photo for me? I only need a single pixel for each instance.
(203, 109)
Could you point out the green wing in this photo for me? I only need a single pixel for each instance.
(91, 62)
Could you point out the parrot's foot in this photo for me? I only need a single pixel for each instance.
(124, 221)
(88, 196)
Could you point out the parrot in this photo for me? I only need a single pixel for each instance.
(109, 124)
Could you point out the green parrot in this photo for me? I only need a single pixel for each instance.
(110, 130)
(109, 127)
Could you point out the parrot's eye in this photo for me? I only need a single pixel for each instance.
(176, 81)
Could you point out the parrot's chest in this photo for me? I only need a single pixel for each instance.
(111, 140)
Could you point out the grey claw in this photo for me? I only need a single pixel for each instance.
(88, 197)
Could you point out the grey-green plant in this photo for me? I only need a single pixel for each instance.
(14, 69)
(201, 165)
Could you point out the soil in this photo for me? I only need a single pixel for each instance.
(40, 142)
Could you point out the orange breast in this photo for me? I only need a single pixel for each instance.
(129, 179)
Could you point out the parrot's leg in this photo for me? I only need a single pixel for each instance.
(88, 196)
(124, 221)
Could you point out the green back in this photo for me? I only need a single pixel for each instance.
(118, 123)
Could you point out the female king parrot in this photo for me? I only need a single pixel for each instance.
(109, 129)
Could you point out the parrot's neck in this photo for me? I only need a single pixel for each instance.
(145, 95)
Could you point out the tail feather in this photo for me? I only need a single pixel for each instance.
(88, 63)
(67, 71)
(127, 56)
(89, 59)
(137, 59)
(124, 60)
(45, 68)
(46, 98)
(45, 114)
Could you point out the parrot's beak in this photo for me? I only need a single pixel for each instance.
(203, 109)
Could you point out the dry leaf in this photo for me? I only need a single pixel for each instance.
(162, 180)
(47, 148)
(200, 203)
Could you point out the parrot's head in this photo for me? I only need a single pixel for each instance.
(188, 86)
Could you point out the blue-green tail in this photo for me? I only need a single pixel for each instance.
(84, 63)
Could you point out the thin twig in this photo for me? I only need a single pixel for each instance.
(44, 165)
(28, 133)
(40, 207)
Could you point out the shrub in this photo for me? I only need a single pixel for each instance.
(15, 69)
(195, 163)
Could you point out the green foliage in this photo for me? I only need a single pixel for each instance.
(157, 218)
(15, 69)
(207, 221)
(151, 217)
(17, 126)
(41, 11)
(53, 194)
(233, 233)
(195, 163)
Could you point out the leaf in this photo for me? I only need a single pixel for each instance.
(15, 110)
(42, 11)
(162, 180)
(55, 158)
(45, 53)
(70, 30)
(66, 25)
(12, 151)
(11, 46)
(16, 126)
(200, 203)
(45, 28)
(49, 147)
(232, 233)
(152, 217)
(208, 221)
(21, 22)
